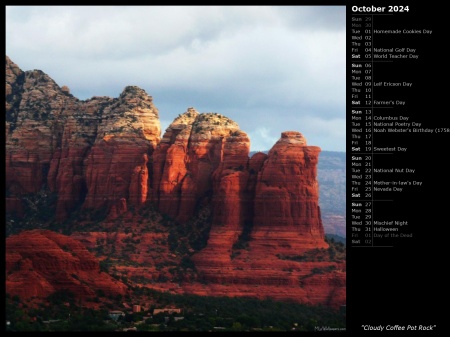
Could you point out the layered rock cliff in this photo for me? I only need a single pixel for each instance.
(92, 153)
(104, 158)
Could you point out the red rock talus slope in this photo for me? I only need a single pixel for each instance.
(40, 262)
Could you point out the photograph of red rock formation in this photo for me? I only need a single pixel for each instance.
(103, 204)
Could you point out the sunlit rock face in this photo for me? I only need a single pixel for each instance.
(193, 147)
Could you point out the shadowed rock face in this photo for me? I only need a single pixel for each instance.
(41, 262)
(106, 154)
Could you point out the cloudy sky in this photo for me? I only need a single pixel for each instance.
(269, 68)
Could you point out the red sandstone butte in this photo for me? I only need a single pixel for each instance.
(105, 154)
(278, 194)
(286, 202)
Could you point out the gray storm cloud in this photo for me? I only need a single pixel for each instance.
(268, 68)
